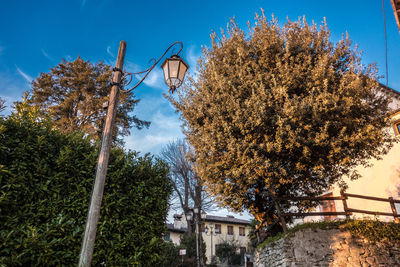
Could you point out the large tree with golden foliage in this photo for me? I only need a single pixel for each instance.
(281, 110)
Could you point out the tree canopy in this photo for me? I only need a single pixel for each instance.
(281, 110)
(73, 94)
(46, 179)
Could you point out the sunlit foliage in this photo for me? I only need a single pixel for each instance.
(281, 110)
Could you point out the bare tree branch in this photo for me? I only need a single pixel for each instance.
(186, 183)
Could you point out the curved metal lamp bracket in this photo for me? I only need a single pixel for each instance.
(147, 71)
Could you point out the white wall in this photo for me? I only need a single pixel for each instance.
(241, 241)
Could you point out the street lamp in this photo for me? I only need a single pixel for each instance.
(189, 218)
(176, 68)
(174, 71)
(211, 235)
(196, 220)
(203, 215)
(195, 216)
(189, 215)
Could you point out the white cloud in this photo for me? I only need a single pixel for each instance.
(132, 67)
(155, 79)
(46, 55)
(24, 75)
(192, 56)
(68, 57)
(109, 51)
(165, 125)
(166, 122)
(83, 3)
(163, 129)
(9, 103)
(12, 87)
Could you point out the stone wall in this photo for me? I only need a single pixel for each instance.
(335, 247)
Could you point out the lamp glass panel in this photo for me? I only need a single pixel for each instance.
(189, 215)
(182, 71)
(173, 82)
(173, 68)
(166, 72)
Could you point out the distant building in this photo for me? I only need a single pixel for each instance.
(175, 230)
(226, 228)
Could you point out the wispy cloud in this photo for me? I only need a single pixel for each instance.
(46, 55)
(193, 56)
(8, 104)
(68, 57)
(132, 67)
(11, 89)
(83, 3)
(153, 139)
(109, 51)
(154, 80)
(24, 75)
(165, 126)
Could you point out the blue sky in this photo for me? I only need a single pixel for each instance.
(37, 35)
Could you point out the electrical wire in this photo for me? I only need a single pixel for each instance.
(386, 50)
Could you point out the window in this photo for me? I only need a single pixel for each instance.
(167, 236)
(397, 127)
(242, 250)
(217, 228)
(242, 231)
(328, 206)
(230, 230)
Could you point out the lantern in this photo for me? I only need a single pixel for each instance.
(174, 71)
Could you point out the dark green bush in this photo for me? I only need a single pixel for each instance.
(46, 179)
(188, 242)
(227, 253)
(170, 256)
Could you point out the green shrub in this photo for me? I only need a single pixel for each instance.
(374, 230)
(227, 253)
(188, 242)
(170, 256)
(46, 179)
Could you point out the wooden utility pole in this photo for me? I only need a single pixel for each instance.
(87, 248)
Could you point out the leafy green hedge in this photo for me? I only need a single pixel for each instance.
(46, 180)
